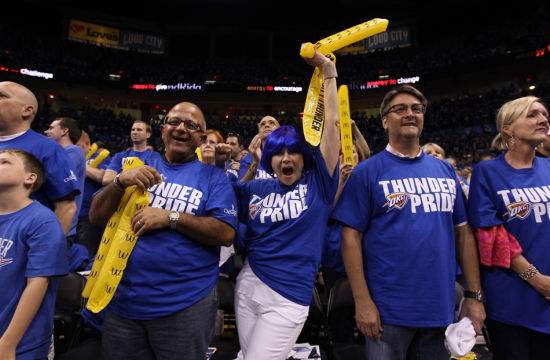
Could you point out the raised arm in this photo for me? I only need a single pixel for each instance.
(330, 140)
(256, 152)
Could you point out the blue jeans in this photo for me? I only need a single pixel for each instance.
(511, 342)
(404, 343)
(183, 335)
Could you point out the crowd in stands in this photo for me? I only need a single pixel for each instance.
(78, 62)
(463, 124)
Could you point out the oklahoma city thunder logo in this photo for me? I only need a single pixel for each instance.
(518, 209)
(397, 200)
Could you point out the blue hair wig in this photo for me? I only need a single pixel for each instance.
(286, 137)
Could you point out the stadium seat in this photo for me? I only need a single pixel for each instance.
(67, 319)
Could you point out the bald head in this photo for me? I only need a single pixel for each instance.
(20, 95)
(191, 110)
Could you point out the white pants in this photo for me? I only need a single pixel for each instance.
(268, 323)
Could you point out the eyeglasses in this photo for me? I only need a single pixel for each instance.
(190, 125)
(401, 109)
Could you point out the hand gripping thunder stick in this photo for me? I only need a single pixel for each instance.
(313, 114)
(116, 245)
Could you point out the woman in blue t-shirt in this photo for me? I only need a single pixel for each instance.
(510, 208)
(285, 221)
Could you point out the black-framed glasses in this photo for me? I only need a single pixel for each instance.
(190, 125)
(401, 109)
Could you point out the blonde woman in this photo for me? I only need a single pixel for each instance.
(510, 208)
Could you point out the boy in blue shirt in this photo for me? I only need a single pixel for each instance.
(32, 252)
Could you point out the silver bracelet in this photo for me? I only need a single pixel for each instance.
(528, 273)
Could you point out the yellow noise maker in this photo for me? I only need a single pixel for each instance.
(116, 245)
(199, 153)
(92, 150)
(99, 158)
(345, 126)
(313, 117)
(344, 38)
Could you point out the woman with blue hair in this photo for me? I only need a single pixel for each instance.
(285, 221)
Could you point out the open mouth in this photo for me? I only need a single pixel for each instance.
(180, 138)
(288, 170)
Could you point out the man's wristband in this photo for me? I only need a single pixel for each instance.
(116, 181)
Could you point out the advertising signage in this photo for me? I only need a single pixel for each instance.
(101, 35)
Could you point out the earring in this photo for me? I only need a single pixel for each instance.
(512, 141)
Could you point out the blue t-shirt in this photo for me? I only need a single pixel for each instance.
(228, 169)
(32, 244)
(60, 180)
(78, 160)
(261, 173)
(406, 210)
(91, 187)
(520, 200)
(332, 251)
(167, 271)
(286, 228)
(118, 158)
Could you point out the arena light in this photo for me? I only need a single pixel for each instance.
(532, 87)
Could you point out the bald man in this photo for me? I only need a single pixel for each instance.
(139, 134)
(169, 285)
(18, 108)
(265, 127)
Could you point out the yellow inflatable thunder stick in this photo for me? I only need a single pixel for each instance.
(92, 150)
(199, 153)
(99, 158)
(346, 138)
(344, 38)
(117, 244)
(469, 356)
(313, 116)
(314, 109)
(109, 233)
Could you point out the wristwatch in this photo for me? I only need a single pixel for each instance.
(173, 217)
(476, 295)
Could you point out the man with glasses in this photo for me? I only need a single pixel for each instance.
(140, 133)
(400, 237)
(165, 305)
(265, 127)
